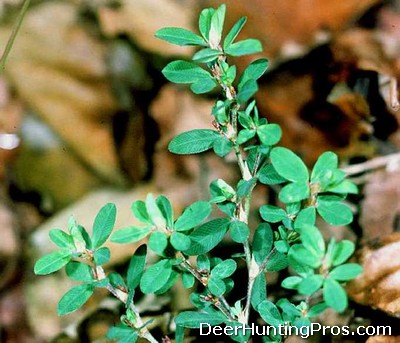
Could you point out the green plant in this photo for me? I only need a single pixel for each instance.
(286, 236)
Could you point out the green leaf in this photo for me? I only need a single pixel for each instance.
(268, 175)
(103, 224)
(269, 134)
(272, 214)
(334, 295)
(343, 187)
(75, 298)
(277, 262)
(62, 239)
(259, 292)
(317, 309)
(294, 192)
(342, 251)
(253, 71)
(180, 36)
(192, 319)
(262, 242)
(154, 212)
(323, 168)
(240, 231)
(312, 240)
(244, 187)
(205, 21)
(188, 280)
(102, 256)
(52, 262)
(220, 188)
(193, 142)
(170, 282)
(165, 207)
(193, 215)
(206, 55)
(180, 241)
(156, 276)
(245, 135)
(303, 256)
(233, 33)
(334, 212)
(116, 280)
(282, 246)
(217, 24)
(224, 269)
(306, 216)
(130, 234)
(270, 313)
(207, 236)
(136, 267)
(158, 242)
(310, 284)
(244, 47)
(216, 286)
(202, 86)
(140, 212)
(248, 89)
(289, 165)
(79, 271)
(123, 334)
(346, 272)
(291, 282)
(81, 238)
(203, 262)
(289, 310)
(184, 72)
(222, 146)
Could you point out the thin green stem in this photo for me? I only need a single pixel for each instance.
(14, 33)
(123, 297)
(221, 302)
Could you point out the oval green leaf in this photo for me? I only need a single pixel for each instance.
(103, 224)
(334, 295)
(288, 165)
(130, 234)
(75, 298)
(156, 276)
(52, 262)
(193, 215)
(193, 142)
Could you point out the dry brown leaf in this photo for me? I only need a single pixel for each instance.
(59, 71)
(379, 284)
(140, 19)
(381, 205)
(278, 23)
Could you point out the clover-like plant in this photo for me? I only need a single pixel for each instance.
(286, 237)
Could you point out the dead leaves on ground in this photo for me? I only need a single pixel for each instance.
(379, 285)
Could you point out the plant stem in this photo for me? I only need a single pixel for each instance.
(223, 305)
(123, 297)
(14, 33)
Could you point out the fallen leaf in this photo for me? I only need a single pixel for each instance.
(62, 76)
(140, 19)
(280, 23)
(380, 207)
(379, 284)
